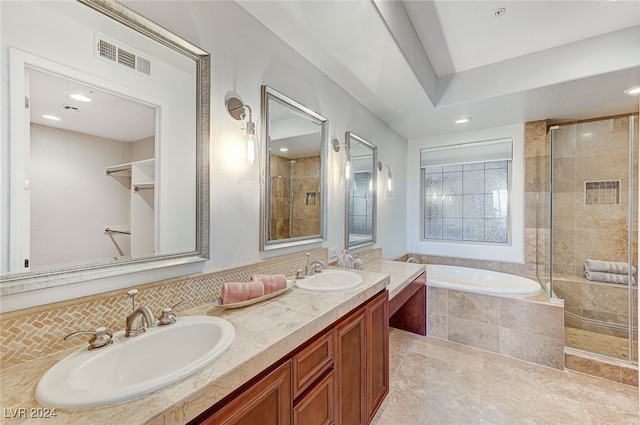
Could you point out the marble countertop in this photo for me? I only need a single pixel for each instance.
(401, 274)
(265, 333)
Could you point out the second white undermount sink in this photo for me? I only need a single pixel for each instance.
(330, 280)
(137, 366)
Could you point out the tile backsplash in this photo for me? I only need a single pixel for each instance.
(37, 332)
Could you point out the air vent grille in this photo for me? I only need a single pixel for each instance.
(107, 50)
(127, 59)
(122, 56)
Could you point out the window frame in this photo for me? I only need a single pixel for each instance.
(512, 252)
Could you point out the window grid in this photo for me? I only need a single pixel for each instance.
(467, 202)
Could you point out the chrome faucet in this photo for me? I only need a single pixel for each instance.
(141, 318)
(312, 267)
(139, 321)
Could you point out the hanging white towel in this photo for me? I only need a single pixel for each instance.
(609, 277)
(608, 267)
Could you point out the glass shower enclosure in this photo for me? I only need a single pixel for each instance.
(593, 233)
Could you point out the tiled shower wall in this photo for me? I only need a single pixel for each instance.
(37, 332)
(301, 192)
(593, 228)
(592, 151)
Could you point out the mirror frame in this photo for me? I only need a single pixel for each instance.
(347, 140)
(266, 244)
(22, 282)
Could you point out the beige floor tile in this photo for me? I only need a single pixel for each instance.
(439, 382)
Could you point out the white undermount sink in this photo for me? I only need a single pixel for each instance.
(330, 280)
(136, 366)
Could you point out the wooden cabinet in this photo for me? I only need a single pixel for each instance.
(318, 406)
(362, 362)
(312, 362)
(267, 402)
(351, 368)
(314, 387)
(408, 309)
(377, 353)
(339, 377)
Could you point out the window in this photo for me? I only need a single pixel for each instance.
(466, 192)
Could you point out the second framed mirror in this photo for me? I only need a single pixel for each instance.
(293, 203)
(361, 194)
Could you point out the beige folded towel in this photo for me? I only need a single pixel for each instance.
(609, 277)
(608, 267)
(235, 292)
(272, 282)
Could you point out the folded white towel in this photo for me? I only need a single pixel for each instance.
(608, 267)
(608, 277)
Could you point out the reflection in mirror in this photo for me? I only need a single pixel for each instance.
(293, 203)
(361, 195)
(107, 171)
(77, 216)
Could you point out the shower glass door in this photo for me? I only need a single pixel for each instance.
(594, 232)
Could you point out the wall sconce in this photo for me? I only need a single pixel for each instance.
(389, 193)
(241, 112)
(347, 167)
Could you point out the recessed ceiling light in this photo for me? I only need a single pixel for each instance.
(283, 149)
(633, 90)
(498, 13)
(80, 97)
(464, 120)
(51, 117)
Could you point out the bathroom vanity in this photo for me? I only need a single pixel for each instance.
(319, 339)
(340, 376)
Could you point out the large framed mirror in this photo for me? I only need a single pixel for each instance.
(105, 166)
(293, 207)
(361, 194)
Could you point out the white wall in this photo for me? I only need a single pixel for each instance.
(246, 55)
(514, 252)
(72, 199)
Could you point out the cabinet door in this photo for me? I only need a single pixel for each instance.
(318, 406)
(377, 313)
(268, 402)
(350, 369)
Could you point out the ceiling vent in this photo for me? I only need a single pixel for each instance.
(123, 56)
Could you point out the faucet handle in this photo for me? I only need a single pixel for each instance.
(101, 337)
(299, 274)
(168, 316)
(132, 294)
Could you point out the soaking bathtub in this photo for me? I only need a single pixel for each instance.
(478, 280)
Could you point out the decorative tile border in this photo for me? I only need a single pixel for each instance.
(37, 332)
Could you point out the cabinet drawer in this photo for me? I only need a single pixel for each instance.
(318, 406)
(310, 363)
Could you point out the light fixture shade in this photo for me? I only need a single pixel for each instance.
(250, 168)
(389, 192)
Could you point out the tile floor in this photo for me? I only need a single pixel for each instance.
(595, 342)
(438, 382)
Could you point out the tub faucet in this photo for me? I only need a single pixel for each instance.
(312, 267)
(141, 318)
